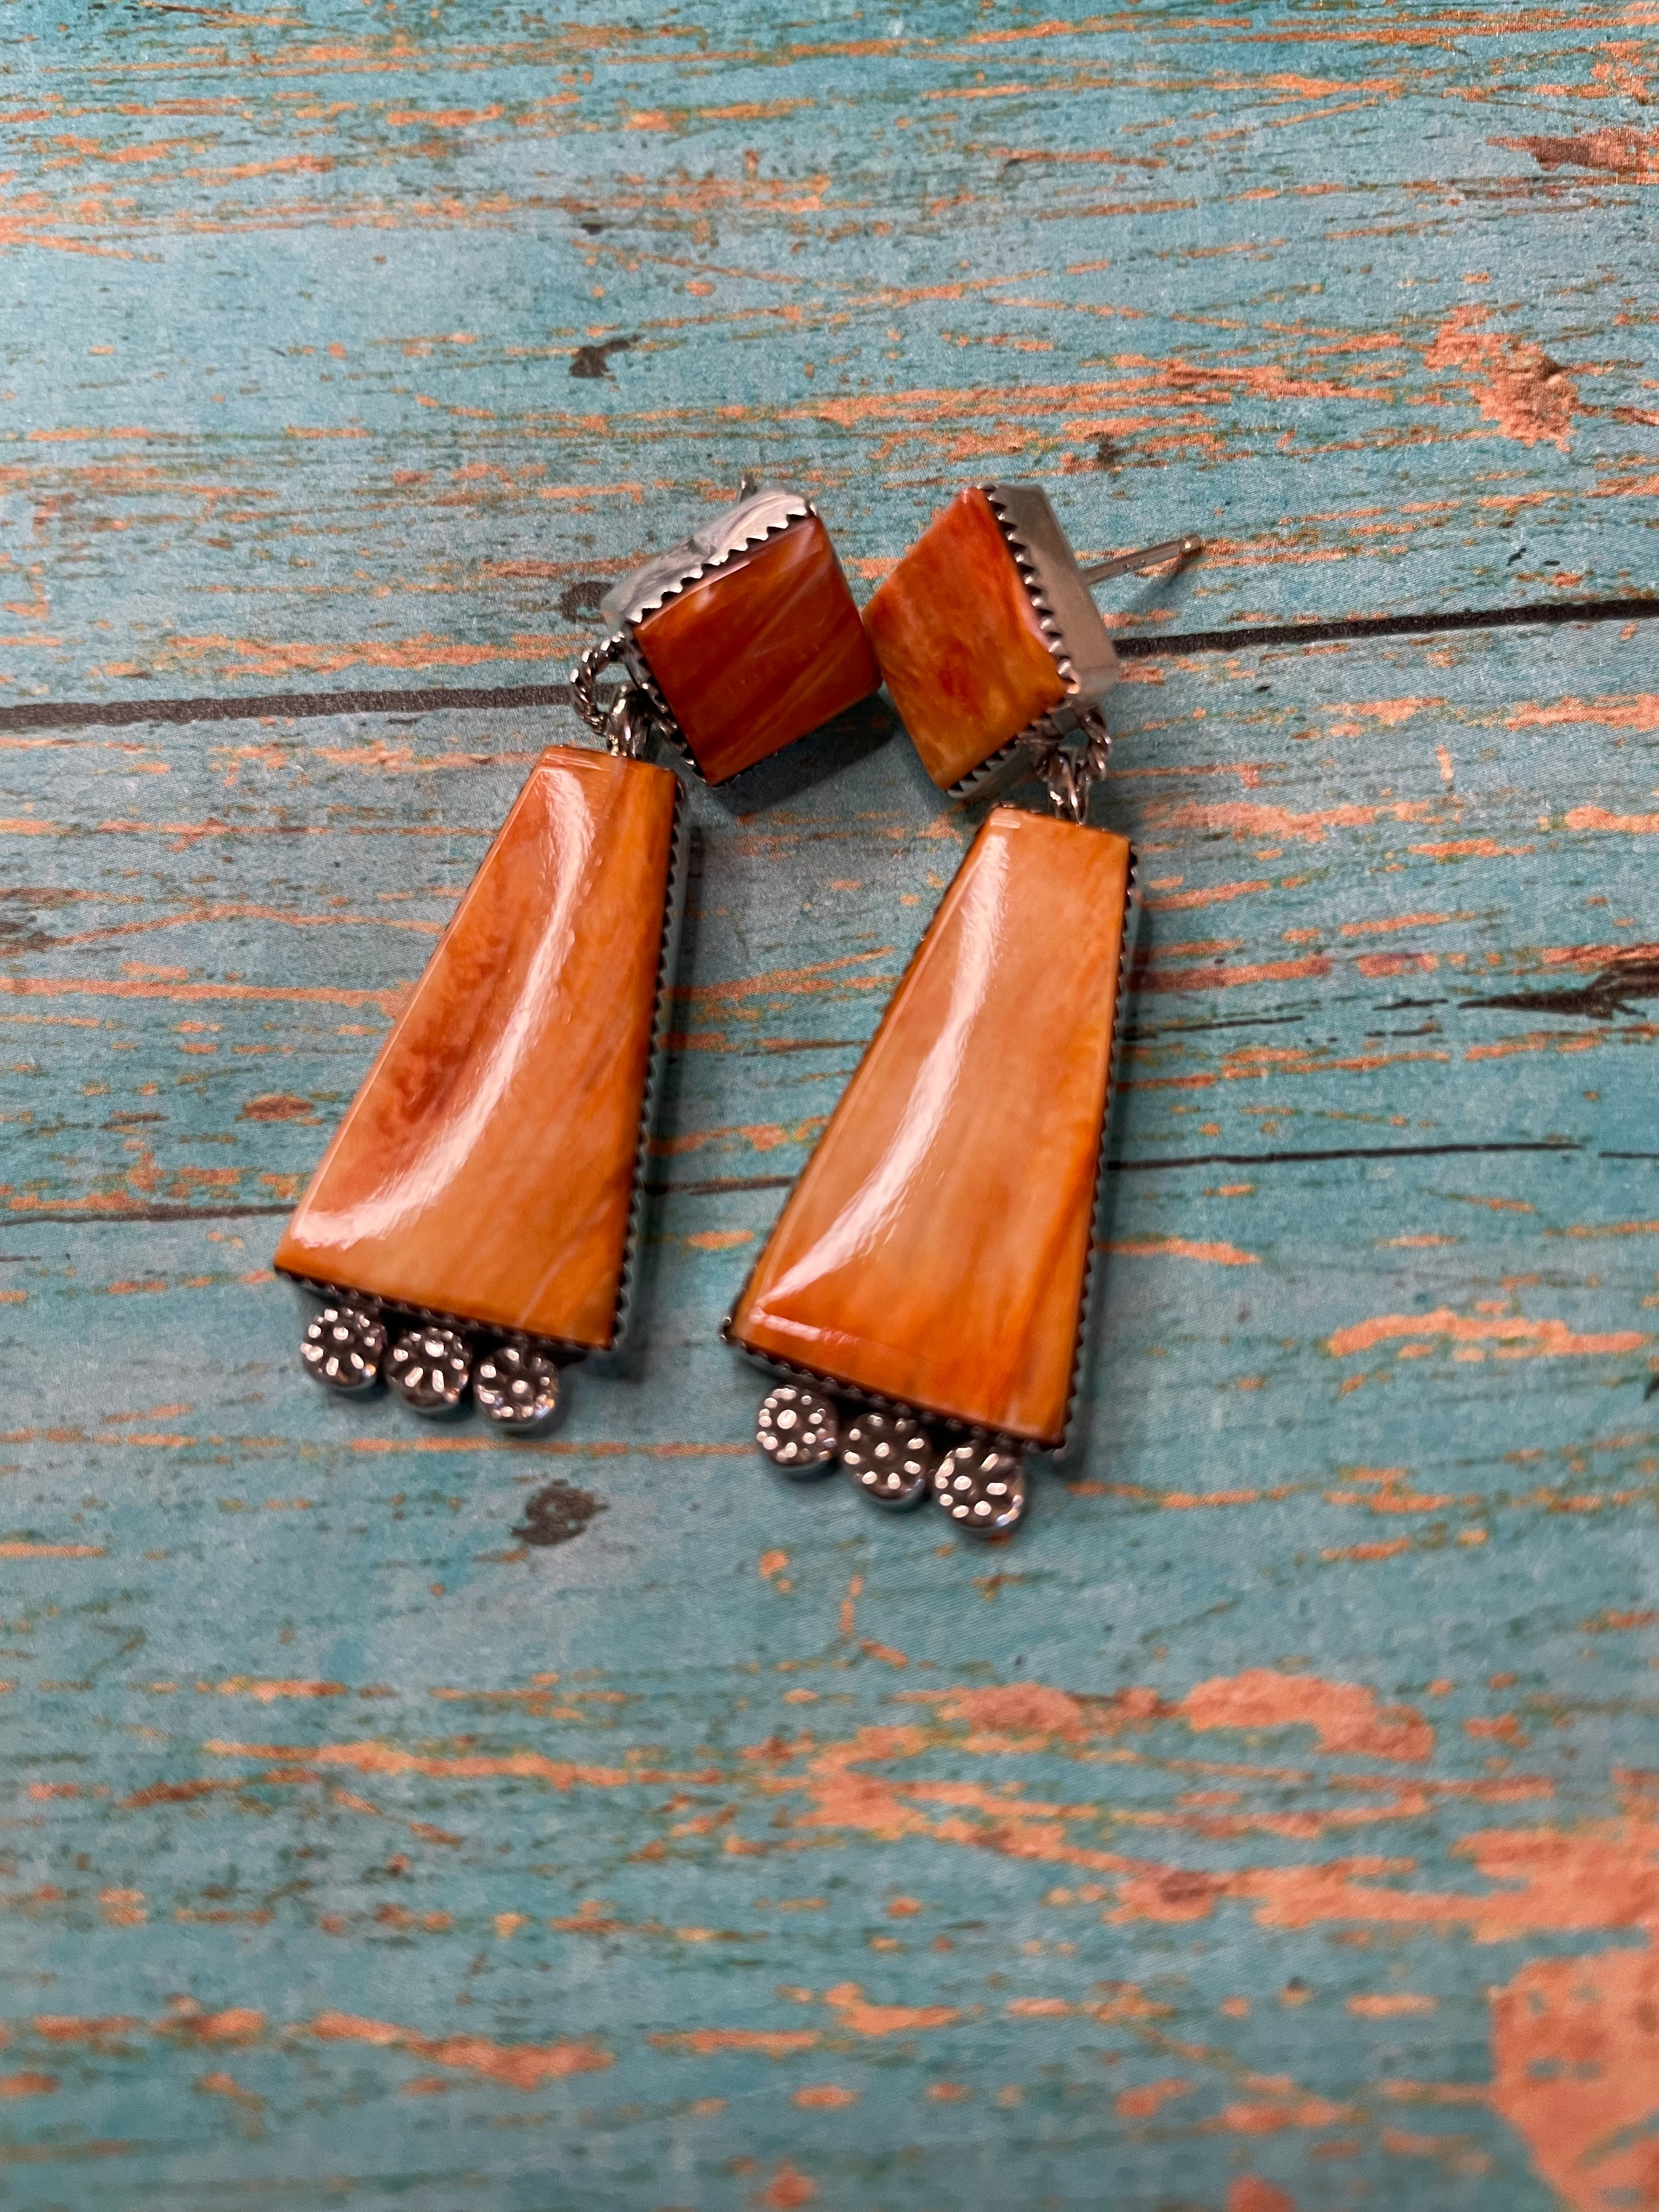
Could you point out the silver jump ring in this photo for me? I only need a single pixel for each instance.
(623, 718)
(1071, 772)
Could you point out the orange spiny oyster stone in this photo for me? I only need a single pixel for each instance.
(763, 649)
(486, 1167)
(935, 1248)
(959, 642)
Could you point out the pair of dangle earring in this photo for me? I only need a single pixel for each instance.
(922, 1292)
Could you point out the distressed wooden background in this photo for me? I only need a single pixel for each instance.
(1274, 1826)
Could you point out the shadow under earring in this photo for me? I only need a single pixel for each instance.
(473, 1223)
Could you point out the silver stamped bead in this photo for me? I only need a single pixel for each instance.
(798, 1430)
(430, 1368)
(892, 1458)
(343, 1348)
(982, 1487)
(517, 1388)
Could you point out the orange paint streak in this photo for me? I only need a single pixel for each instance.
(442, 119)
(1345, 1715)
(1473, 849)
(1599, 817)
(1174, 901)
(1518, 386)
(847, 2001)
(1639, 711)
(710, 2042)
(41, 987)
(27, 2085)
(1021, 1709)
(519, 2065)
(220, 2084)
(70, 2027)
(787, 2189)
(1626, 153)
(793, 982)
(239, 1686)
(1217, 976)
(371, 1758)
(1548, 1340)
(1244, 818)
(173, 1793)
(243, 656)
(1396, 963)
(1601, 1876)
(20, 1551)
(1140, 2104)
(1390, 2007)
(1269, 2115)
(1535, 1041)
(235, 2024)
(1248, 2192)
(1401, 921)
(1575, 2049)
(1183, 1248)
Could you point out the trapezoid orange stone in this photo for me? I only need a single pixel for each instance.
(959, 642)
(486, 1168)
(935, 1248)
(759, 652)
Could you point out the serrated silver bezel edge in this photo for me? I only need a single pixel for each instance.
(1092, 1268)
(634, 653)
(667, 961)
(994, 769)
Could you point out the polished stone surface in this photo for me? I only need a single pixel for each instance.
(486, 1167)
(959, 642)
(760, 651)
(934, 1249)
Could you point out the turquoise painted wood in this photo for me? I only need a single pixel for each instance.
(1271, 1827)
(301, 301)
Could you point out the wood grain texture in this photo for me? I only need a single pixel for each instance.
(1272, 1827)
(343, 347)
(1272, 1815)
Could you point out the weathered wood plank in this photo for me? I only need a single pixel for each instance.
(1369, 873)
(298, 298)
(1275, 1816)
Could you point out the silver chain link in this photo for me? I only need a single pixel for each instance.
(1071, 769)
(623, 718)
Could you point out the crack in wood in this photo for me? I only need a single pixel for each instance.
(435, 698)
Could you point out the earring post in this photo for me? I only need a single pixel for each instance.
(1177, 549)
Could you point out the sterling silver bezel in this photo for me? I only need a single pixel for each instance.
(769, 512)
(1071, 626)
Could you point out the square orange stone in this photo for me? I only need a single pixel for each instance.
(486, 1169)
(978, 647)
(765, 644)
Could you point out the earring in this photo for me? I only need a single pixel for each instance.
(736, 641)
(990, 644)
(928, 1270)
(473, 1220)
